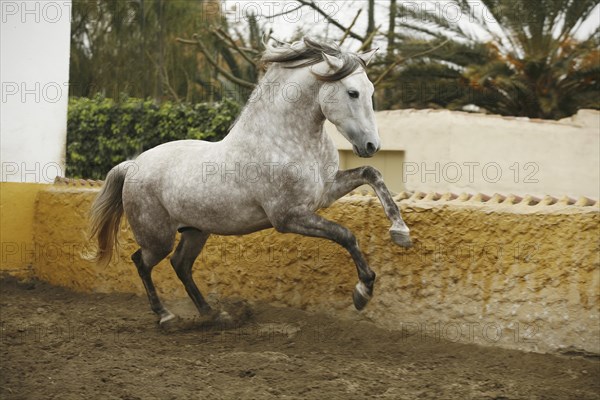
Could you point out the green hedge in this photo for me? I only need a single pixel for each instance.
(102, 132)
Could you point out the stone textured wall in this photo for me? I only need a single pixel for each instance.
(515, 275)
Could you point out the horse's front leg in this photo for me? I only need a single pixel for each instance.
(305, 222)
(348, 180)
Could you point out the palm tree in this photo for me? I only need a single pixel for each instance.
(511, 57)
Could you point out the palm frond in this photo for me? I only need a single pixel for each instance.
(528, 61)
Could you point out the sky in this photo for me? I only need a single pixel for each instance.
(306, 19)
(344, 11)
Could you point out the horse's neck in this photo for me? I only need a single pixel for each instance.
(284, 104)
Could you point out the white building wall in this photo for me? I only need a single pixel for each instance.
(445, 151)
(34, 73)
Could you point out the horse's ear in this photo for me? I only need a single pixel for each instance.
(367, 56)
(333, 61)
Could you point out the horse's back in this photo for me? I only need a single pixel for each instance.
(168, 155)
(166, 149)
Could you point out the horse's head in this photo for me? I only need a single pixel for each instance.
(344, 90)
(347, 102)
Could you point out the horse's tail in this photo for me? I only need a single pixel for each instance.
(106, 214)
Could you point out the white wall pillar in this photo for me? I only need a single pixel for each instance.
(34, 73)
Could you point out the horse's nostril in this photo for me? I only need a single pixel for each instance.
(371, 148)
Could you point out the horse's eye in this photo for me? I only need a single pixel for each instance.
(353, 94)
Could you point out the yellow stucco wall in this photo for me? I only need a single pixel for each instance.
(17, 205)
(517, 276)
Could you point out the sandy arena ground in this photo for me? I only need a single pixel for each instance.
(64, 345)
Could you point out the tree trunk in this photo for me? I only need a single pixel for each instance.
(371, 25)
(391, 36)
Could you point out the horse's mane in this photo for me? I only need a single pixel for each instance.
(309, 51)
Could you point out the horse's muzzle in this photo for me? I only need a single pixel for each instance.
(367, 151)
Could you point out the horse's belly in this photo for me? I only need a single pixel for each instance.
(223, 219)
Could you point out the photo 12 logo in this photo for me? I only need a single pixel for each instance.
(451, 11)
(32, 172)
(470, 332)
(471, 172)
(291, 12)
(35, 11)
(36, 92)
(267, 172)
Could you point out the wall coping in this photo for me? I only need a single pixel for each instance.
(582, 118)
(497, 201)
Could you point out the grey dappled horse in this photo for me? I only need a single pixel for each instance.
(275, 168)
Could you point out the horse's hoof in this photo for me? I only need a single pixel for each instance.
(361, 295)
(224, 318)
(168, 320)
(401, 238)
(220, 319)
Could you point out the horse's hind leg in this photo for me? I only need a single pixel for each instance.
(191, 244)
(145, 259)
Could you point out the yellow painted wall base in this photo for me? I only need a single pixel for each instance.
(524, 277)
(17, 208)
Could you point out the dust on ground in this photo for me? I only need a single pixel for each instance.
(59, 344)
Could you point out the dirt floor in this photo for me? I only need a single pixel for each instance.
(59, 344)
